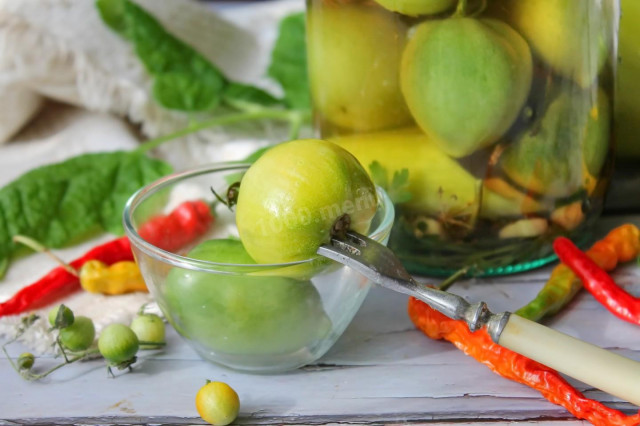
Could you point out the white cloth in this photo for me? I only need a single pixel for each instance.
(61, 49)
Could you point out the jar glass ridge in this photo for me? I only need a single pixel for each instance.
(500, 111)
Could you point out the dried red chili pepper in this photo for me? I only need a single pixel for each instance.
(185, 223)
(598, 282)
(622, 244)
(515, 366)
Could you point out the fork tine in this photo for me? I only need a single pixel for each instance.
(367, 256)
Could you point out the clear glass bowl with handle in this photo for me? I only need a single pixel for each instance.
(252, 317)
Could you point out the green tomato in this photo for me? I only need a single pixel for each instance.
(244, 315)
(571, 139)
(217, 403)
(465, 81)
(292, 196)
(597, 136)
(573, 37)
(627, 97)
(354, 58)
(79, 335)
(417, 7)
(149, 328)
(118, 344)
(61, 316)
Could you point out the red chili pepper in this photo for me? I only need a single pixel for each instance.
(60, 283)
(185, 223)
(515, 367)
(598, 282)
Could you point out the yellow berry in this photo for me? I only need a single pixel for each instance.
(217, 403)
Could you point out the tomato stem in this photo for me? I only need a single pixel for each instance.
(295, 118)
(444, 285)
(36, 246)
(341, 226)
(461, 10)
(27, 374)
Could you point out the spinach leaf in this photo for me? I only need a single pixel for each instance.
(112, 13)
(245, 97)
(183, 79)
(4, 265)
(289, 62)
(62, 203)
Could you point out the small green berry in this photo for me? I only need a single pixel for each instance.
(150, 329)
(61, 316)
(118, 344)
(79, 335)
(26, 360)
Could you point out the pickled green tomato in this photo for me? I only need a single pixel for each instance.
(417, 7)
(573, 37)
(596, 141)
(465, 81)
(442, 186)
(354, 56)
(628, 84)
(572, 135)
(291, 197)
(244, 315)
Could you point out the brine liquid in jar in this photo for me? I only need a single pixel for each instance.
(489, 122)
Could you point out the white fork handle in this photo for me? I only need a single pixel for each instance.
(597, 367)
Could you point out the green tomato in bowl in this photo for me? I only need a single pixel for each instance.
(292, 196)
(242, 314)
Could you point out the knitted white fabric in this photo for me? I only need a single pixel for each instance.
(62, 50)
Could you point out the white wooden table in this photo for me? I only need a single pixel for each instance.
(382, 370)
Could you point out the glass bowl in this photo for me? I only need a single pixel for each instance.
(254, 318)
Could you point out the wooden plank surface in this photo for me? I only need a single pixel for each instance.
(382, 370)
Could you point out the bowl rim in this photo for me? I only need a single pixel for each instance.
(379, 233)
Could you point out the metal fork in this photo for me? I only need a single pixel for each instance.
(583, 361)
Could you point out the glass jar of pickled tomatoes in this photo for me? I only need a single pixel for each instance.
(488, 121)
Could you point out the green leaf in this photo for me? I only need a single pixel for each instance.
(62, 203)
(183, 79)
(379, 175)
(245, 97)
(253, 157)
(113, 14)
(397, 189)
(182, 92)
(4, 265)
(289, 62)
(399, 183)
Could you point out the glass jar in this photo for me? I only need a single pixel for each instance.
(489, 120)
(628, 85)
